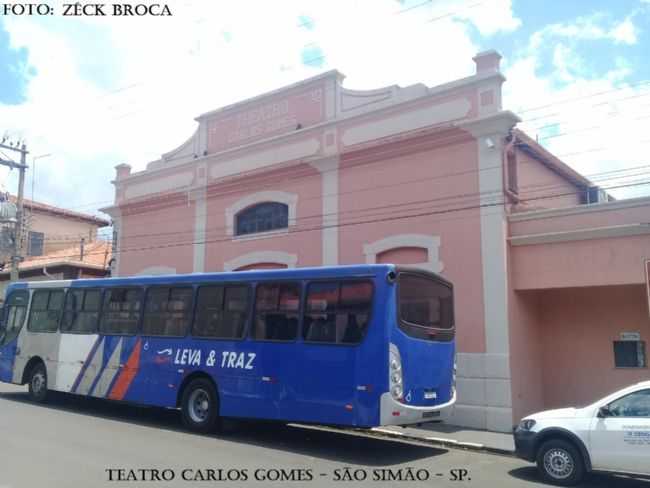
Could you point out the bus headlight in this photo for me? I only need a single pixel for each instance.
(395, 373)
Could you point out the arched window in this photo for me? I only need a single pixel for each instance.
(262, 217)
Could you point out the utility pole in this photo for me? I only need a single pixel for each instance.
(16, 257)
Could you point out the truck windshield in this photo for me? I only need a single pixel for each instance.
(426, 308)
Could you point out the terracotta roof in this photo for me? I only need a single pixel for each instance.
(63, 212)
(96, 256)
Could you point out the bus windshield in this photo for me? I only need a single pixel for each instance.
(425, 307)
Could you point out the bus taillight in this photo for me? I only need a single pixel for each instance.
(395, 373)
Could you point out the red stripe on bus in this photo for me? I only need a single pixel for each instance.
(126, 376)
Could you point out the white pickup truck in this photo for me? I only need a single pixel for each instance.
(612, 434)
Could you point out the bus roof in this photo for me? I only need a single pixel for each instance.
(240, 276)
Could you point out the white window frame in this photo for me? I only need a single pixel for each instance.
(289, 199)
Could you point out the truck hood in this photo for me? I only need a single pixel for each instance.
(559, 413)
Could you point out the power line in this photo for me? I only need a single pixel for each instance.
(347, 224)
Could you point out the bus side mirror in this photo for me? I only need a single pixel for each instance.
(603, 412)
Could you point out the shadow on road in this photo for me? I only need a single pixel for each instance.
(530, 474)
(331, 446)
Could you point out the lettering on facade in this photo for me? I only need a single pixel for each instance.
(291, 113)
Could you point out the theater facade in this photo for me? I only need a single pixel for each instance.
(549, 271)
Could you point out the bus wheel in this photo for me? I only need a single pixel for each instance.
(38, 383)
(200, 406)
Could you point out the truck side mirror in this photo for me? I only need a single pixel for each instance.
(604, 411)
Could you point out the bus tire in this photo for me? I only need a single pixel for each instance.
(38, 383)
(200, 406)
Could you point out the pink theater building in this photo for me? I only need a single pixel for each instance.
(551, 306)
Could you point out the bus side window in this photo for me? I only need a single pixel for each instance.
(16, 311)
(121, 311)
(337, 312)
(47, 306)
(221, 312)
(276, 312)
(167, 311)
(81, 311)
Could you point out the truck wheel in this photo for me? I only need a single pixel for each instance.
(560, 463)
(200, 406)
(38, 383)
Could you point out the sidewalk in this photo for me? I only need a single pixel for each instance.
(453, 436)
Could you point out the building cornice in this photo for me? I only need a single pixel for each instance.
(432, 93)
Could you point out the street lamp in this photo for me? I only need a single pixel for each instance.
(34, 170)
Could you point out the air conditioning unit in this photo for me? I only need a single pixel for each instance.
(595, 194)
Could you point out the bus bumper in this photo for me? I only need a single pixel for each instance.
(393, 412)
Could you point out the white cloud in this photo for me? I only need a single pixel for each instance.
(594, 123)
(590, 28)
(625, 32)
(166, 71)
(209, 54)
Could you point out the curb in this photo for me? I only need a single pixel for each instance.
(382, 433)
(444, 442)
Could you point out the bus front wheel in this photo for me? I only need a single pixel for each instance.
(38, 383)
(200, 406)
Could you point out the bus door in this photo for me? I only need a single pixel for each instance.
(335, 322)
(13, 319)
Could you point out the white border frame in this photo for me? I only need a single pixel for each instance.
(422, 241)
(279, 257)
(156, 271)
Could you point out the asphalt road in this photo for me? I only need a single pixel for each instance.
(75, 442)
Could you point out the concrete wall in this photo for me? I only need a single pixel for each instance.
(541, 187)
(60, 233)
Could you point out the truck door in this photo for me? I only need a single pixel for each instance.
(620, 439)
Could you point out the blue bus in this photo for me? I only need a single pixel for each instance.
(359, 346)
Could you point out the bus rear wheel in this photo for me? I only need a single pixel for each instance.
(38, 383)
(200, 406)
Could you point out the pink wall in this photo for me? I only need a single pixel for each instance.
(304, 239)
(157, 234)
(525, 353)
(422, 181)
(593, 262)
(578, 327)
(538, 184)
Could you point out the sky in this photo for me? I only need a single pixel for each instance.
(88, 93)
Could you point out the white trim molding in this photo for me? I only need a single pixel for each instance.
(624, 230)
(156, 271)
(200, 224)
(289, 199)
(579, 209)
(329, 170)
(279, 257)
(422, 241)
